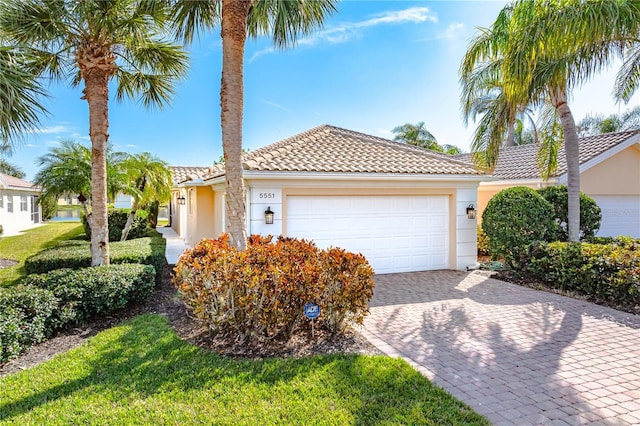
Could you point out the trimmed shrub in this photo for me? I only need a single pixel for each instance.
(117, 218)
(607, 271)
(258, 294)
(77, 254)
(85, 292)
(25, 319)
(515, 218)
(590, 213)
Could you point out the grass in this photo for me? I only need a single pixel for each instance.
(30, 242)
(142, 373)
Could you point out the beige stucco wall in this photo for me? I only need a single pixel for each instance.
(218, 212)
(175, 211)
(617, 175)
(200, 214)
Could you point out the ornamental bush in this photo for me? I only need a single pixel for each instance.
(590, 213)
(258, 294)
(77, 254)
(608, 272)
(483, 243)
(25, 319)
(515, 218)
(117, 218)
(85, 292)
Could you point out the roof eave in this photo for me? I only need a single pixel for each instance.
(291, 175)
(635, 139)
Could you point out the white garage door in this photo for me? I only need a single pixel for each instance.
(395, 233)
(620, 215)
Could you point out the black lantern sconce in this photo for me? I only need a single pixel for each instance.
(471, 211)
(181, 200)
(268, 216)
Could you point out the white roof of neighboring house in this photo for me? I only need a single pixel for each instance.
(519, 162)
(328, 149)
(11, 182)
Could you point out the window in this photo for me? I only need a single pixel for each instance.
(23, 203)
(9, 203)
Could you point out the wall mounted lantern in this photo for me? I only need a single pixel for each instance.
(268, 216)
(471, 211)
(181, 200)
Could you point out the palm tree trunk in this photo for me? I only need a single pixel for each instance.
(234, 34)
(132, 215)
(511, 134)
(572, 153)
(96, 93)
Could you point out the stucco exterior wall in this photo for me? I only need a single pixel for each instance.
(200, 213)
(617, 175)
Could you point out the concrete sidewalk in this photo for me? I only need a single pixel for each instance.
(516, 355)
(175, 245)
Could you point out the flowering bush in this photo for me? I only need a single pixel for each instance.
(258, 294)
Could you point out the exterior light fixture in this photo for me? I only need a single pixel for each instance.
(181, 200)
(471, 211)
(268, 216)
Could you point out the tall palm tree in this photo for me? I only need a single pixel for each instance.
(20, 93)
(284, 22)
(149, 179)
(66, 169)
(545, 49)
(415, 134)
(96, 42)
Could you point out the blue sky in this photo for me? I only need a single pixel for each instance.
(374, 66)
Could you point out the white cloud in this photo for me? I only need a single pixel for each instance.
(53, 144)
(60, 128)
(453, 30)
(129, 145)
(275, 105)
(31, 145)
(347, 31)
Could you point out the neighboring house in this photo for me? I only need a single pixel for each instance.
(123, 201)
(68, 200)
(18, 204)
(609, 173)
(403, 207)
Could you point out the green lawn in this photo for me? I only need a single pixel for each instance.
(19, 247)
(142, 373)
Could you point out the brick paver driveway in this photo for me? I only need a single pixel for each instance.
(516, 355)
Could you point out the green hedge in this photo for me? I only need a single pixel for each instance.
(117, 218)
(25, 319)
(609, 272)
(85, 292)
(42, 303)
(77, 254)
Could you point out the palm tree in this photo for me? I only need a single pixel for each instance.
(20, 93)
(284, 21)
(544, 50)
(96, 42)
(415, 134)
(149, 180)
(66, 169)
(597, 124)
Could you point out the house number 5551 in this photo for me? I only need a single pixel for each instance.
(266, 195)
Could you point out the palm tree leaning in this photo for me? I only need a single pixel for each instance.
(546, 49)
(284, 21)
(97, 42)
(66, 169)
(149, 179)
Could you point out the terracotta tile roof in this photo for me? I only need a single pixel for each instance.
(183, 173)
(519, 162)
(331, 149)
(12, 182)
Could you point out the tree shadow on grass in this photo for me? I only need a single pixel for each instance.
(144, 359)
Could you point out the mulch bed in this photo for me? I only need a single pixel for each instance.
(165, 301)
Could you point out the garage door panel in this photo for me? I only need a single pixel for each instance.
(620, 215)
(395, 233)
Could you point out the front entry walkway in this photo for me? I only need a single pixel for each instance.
(516, 355)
